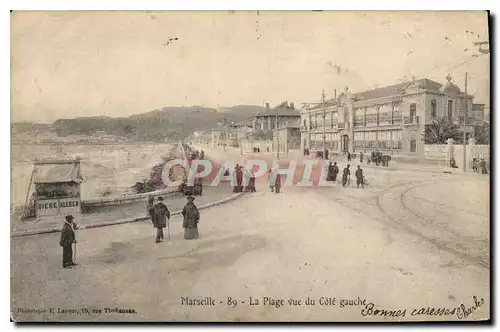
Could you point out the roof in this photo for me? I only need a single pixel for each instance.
(328, 103)
(282, 109)
(47, 172)
(393, 90)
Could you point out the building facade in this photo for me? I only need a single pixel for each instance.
(283, 114)
(391, 119)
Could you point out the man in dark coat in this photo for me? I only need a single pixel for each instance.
(191, 219)
(346, 175)
(329, 176)
(348, 156)
(359, 177)
(160, 216)
(277, 184)
(482, 164)
(67, 240)
(234, 176)
(360, 156)
(239, 179)
(335, 171)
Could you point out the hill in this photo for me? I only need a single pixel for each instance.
(170, 122)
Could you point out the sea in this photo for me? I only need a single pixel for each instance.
(108, 170)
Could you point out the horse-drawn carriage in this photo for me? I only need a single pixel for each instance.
(379, 158)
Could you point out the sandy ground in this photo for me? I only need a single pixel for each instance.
(402, 243)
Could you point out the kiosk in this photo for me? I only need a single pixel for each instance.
(56, 188)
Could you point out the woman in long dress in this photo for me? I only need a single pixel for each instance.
(191, 219)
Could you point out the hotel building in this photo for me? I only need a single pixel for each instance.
(390, 119)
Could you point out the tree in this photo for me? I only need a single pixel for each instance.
(440, 130)
(482, 133)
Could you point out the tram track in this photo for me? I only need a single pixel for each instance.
(454, 248)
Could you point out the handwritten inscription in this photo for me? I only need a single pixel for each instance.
(367, 308)
(462, 312)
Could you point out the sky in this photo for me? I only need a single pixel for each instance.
(73, 64)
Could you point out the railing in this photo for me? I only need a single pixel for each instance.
(359, 124)
(410, 120)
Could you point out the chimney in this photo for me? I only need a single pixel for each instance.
(292, 106)
(335, 94)
(267, 105)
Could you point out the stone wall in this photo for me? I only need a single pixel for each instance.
(442, 153)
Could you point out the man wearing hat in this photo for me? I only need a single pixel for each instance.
(160, 216)
(67, 240)
(191, 219)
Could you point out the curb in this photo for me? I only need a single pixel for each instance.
(122, 221)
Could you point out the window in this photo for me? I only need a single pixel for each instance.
(450, 110)
(305, 123)
(433, 108)
(413, 110)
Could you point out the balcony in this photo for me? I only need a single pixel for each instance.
(341, 125)
(359, 124)
(410, 120)
(397, 121)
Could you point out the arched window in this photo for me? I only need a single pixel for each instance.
(433, 108)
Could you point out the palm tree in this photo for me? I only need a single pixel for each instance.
(440, 130)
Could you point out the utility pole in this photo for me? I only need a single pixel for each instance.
(465, 123)
(277, 136)
(324, 122)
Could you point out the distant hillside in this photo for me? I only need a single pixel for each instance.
(169, 122)
(22, 127)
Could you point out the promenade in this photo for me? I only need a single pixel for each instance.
(404, 242)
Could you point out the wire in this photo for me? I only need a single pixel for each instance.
(447, 66)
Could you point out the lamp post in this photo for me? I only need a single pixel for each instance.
(324, 122)
(465, 124)
(277, 136)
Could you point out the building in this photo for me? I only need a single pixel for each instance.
(284, 113)
(390, 119)
(287, 137)
(230, 134)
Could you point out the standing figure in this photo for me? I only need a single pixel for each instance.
(161, 214)
(346, 176)
(348, 156)
(67, 240)
(150, 204)
(474, 165)
(482, 164)
(335, 170)
(271, 179)
(202, 155)
(235, 179)
(191, 219)
(277, 185)
(360, 156)
(329, 176)
(359, 177)
(326, 154)
(251, 183)
(239, 179)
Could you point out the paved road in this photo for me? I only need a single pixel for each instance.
(306, 242)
